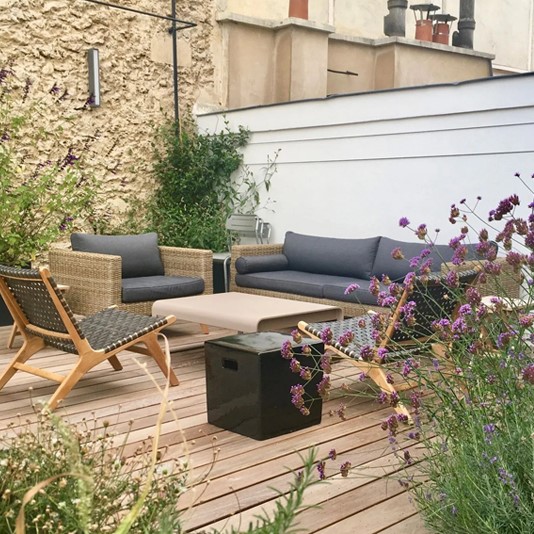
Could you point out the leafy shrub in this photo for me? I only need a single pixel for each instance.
(42, 187)
(82, 482)
(196, 189)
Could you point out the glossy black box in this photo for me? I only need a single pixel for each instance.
(248, 385)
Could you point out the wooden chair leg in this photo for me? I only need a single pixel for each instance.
(115, 363)
(67, 384)
(28, 349)
(157, 353)
(14, 332)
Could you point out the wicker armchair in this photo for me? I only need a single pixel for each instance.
(95, 280)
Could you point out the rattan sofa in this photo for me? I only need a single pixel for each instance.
(264, 268)
(96, 280)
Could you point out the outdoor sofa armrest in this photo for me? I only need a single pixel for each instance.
(94, 280)
(189, 262)
(507, 284)
(251, 250)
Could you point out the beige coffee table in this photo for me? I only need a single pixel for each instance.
(245, 312)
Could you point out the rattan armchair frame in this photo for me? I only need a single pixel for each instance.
(44, 318)
(95, 280)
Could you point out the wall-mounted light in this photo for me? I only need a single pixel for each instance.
(94, 78)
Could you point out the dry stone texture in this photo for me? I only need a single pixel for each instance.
(47, 40)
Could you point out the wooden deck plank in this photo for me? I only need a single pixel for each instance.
(242, 472)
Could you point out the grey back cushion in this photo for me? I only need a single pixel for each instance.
(398, 269)
(328, 255)
(139, 253)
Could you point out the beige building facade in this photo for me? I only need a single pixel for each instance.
(240, 53)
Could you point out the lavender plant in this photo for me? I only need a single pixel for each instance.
(43, 188)
(472, 396)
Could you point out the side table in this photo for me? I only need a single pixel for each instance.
(221, 265)
(248, 385)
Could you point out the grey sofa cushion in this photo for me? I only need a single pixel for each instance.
(335, 290)
(295, 282)
(398, 269)
(327, 255)
(258, 264)
(148, 288)
(139, 253)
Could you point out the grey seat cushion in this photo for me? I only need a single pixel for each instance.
(295, 282)
(327, 255)
(147, 288)
(140, 253)
(258, 264)
(335, 290)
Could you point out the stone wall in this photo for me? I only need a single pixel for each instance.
(47, 41)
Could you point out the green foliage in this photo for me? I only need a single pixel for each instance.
(40, 196)
(81, 481)
(196, 191)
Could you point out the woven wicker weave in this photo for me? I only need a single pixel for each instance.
(43, 317)
(95, 280)
(507, 284)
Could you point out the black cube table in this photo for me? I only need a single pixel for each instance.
(248, 385)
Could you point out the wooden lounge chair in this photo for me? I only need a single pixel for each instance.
(433, 300)
(44, 318)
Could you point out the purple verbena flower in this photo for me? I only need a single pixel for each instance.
(528, 373)
(404, 222)
(351, 288)
(421, 231)
(465, 309)
(326, 363)
(286, 351)
(397, 254)
(345, 468)
(296, 335)
(294, 365)
(323, 387)
(320, 469)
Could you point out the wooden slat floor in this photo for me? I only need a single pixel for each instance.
(243, 475)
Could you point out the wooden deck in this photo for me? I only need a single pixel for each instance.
(244, 474)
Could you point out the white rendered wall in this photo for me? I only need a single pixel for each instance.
(351, 166)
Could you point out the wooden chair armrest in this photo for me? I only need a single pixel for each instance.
(189, 262)
(94, 280)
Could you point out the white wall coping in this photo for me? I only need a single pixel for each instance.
(272, 24)
(386, 41)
